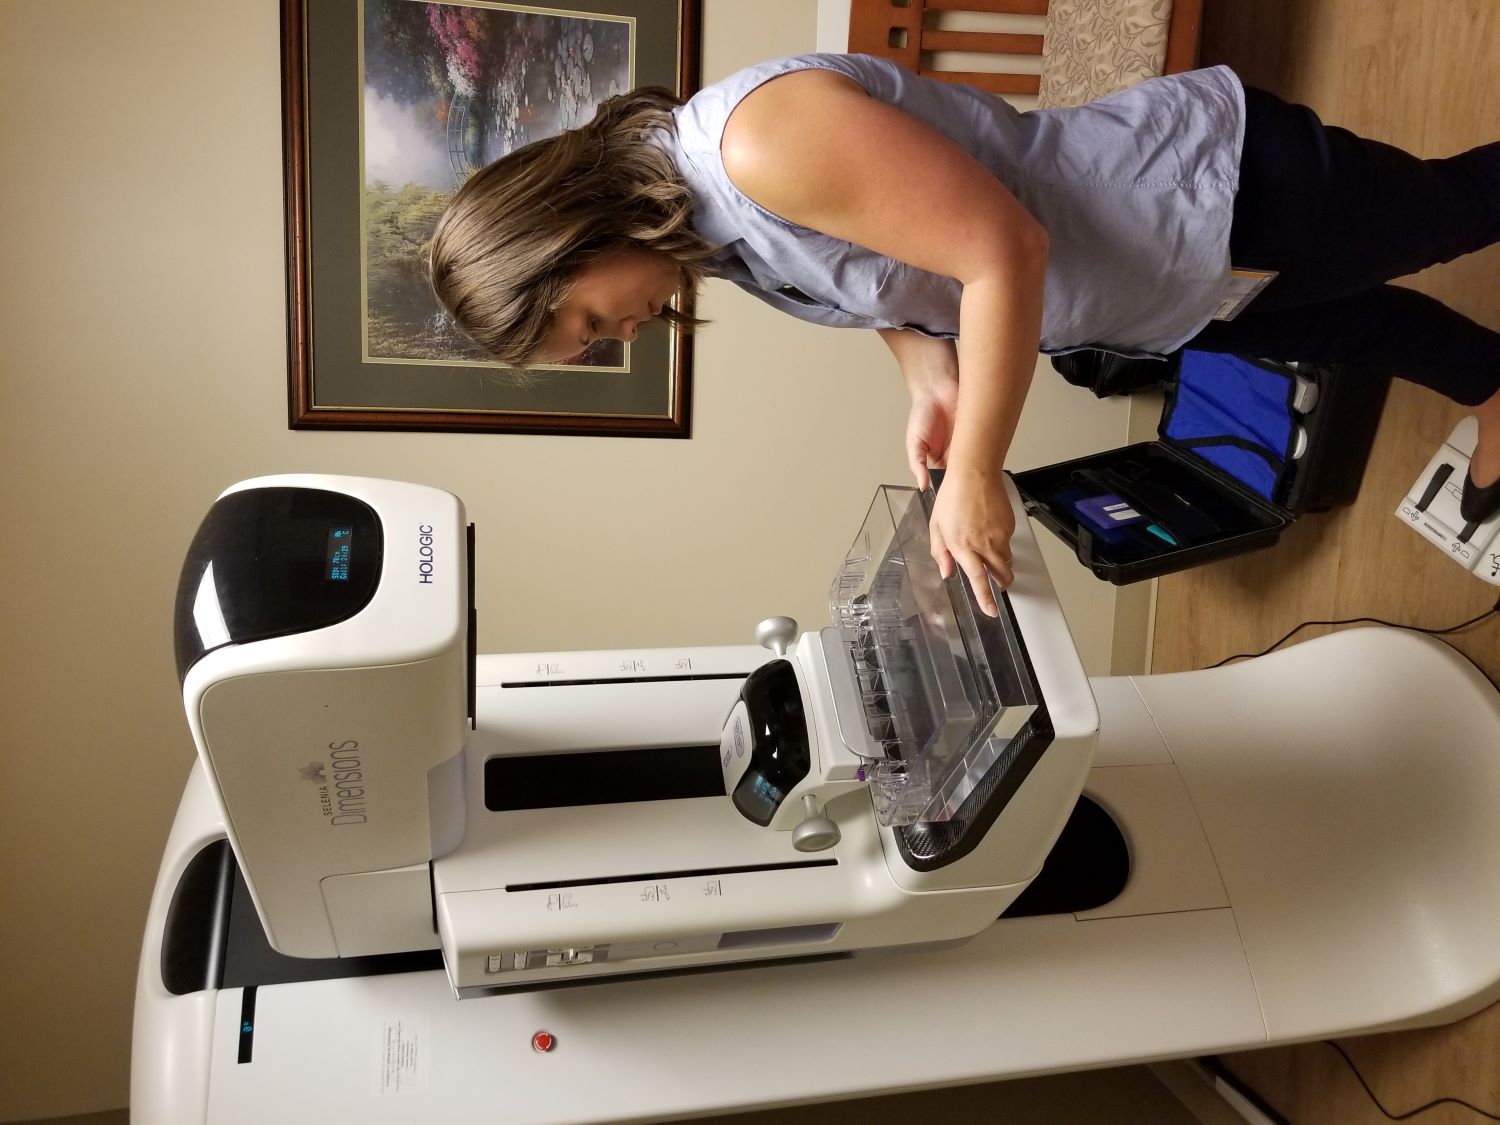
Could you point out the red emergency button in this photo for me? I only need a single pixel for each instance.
(543, 1041)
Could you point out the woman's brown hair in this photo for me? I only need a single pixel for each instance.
(506, 250)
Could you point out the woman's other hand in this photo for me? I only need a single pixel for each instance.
(929, 429)
(971, 526)
(929, 367)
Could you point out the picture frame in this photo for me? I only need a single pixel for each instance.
(388, 105)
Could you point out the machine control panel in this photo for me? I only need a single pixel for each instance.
(568, 956)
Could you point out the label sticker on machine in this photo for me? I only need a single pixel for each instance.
(401, 1055)
(1244, 285)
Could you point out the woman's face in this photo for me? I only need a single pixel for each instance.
(610, 300)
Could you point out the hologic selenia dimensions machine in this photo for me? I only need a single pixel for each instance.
(399, 869)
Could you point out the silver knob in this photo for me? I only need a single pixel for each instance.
(816, 832)
(776, 634)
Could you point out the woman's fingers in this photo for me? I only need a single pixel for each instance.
(979, 571)
(940, 553)
(977, 567)
(970, 528)
(916, 459)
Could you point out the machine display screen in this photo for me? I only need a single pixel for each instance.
(758, 796)
(340, 547)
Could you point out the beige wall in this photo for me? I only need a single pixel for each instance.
(142, 315)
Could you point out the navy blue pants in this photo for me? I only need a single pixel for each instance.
(1338, 216)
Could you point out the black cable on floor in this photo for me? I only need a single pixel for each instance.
(1363, 621)
(1217, 1069)
(1423, 1108)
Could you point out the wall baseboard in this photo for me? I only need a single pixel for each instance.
(1134, 629)
(1197, 1088)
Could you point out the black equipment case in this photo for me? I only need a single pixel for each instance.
(1245, 447)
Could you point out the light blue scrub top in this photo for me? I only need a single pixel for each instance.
(1136, 193)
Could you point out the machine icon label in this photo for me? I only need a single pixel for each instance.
(655, 893)
(560, 902)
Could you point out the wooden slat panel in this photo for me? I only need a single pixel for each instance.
(988, 42)
(1182, 36)
(991, 83)
(870, 26)
(1007, 7)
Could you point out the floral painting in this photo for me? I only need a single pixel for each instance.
(448, 88)
(388, 107)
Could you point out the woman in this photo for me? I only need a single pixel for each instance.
(850, 192)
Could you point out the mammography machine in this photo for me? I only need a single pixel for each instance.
(912, 848)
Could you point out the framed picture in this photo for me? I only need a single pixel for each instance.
(390, 105)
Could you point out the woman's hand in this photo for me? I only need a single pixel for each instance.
(971, 525)
(929, 367)
(929, 429)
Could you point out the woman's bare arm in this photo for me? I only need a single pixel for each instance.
(812, 147)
